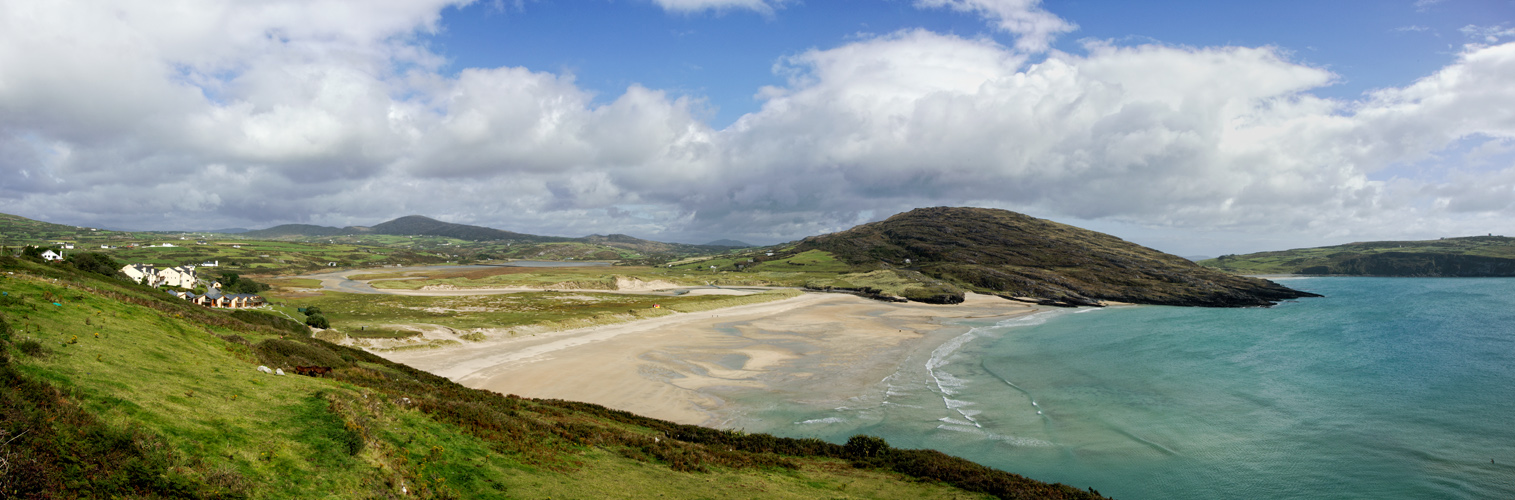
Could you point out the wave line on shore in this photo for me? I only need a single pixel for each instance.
(948, 385)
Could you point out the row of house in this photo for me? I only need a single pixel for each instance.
(184, 277)
(214, 298)
(178, 276)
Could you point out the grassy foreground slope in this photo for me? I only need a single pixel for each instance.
(1461, 257)
(1006, 253)
(109, 389)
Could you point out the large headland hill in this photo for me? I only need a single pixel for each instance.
(1472, 256)
(1018, 256)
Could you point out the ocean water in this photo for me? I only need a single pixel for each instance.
(1386, 388)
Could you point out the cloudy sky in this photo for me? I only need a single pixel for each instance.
(1195, 127)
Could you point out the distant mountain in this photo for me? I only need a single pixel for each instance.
(230, 230)
(647, 246)
(412, 225)
(16, 231)
(1197, 258)
(729, 243)
(419, 225)
(298, 230)
(1010, 254)
(16, 223)
(1472, 256)
(416, 225)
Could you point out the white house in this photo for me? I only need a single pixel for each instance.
(50, 255)
(211, 263)
(139, 272)
(181, 276)
(68, 246)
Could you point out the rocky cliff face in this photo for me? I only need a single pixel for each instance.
(1015, 255)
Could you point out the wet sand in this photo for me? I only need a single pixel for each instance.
(675, 367)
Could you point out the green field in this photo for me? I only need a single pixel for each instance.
(353, 313)
(812, 269)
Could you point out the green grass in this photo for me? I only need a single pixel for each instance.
(183, 383)
(594, 278)
(795, 271)
(816, 269)
(810, 261)
(294, 283)
(550, 311)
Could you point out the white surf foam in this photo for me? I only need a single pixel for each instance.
(827, 420)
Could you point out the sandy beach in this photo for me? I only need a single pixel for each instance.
(675, 367)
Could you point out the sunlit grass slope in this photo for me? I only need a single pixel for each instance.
(109, 389)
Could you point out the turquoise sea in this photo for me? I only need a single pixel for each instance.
(1385, 388)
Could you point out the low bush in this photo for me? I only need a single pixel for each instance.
(31, 347)
(98, 263)
(317, 321)
(269, 320)
(290, 353)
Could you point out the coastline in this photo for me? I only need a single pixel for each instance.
(676, 367)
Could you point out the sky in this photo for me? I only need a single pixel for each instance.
(1192, 127)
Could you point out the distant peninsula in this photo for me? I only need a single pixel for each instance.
(1473, 256)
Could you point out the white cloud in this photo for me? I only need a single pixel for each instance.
(1487, 34)
(762, 6)
(1423, 5)
(1035, 26)
(223, 114)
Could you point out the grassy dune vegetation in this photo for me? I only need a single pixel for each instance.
(374, 315)
(812, 268)
(109, 389)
